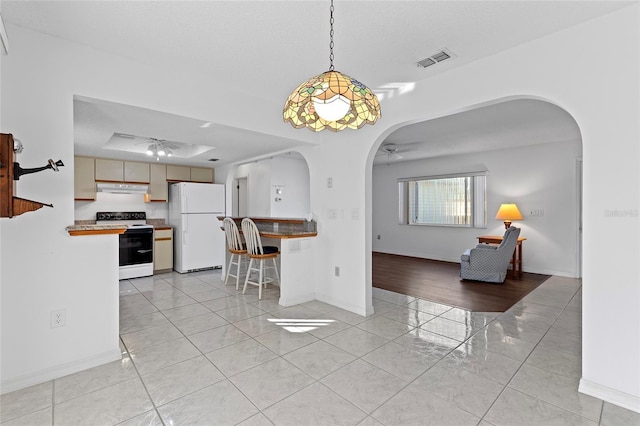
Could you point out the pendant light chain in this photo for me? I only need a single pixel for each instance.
(331, 37)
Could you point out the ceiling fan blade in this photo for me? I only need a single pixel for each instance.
(126, 136)
(146, 139)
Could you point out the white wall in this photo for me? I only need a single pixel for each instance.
(107, 202)
(42, 268)
(291, 174)
(534, 177)
(602, 96)
(259, 189)
(591, 71)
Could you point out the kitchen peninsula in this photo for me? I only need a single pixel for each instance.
(295, 237)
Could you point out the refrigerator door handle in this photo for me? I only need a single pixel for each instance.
(185, 228)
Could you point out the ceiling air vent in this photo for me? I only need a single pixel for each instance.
(440, 56)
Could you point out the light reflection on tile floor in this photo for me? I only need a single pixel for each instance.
(197, 352)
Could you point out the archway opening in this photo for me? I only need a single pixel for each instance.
(530, 152)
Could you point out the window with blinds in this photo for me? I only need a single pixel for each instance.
(444, 201)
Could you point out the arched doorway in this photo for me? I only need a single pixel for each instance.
(531, 152)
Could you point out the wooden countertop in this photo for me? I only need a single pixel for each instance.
(294, 220)
(280, 228)
(284, 235)
(77, 230)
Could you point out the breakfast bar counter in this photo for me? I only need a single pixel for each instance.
(296, 240)
(280, 228)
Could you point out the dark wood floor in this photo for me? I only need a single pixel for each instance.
(440, 282)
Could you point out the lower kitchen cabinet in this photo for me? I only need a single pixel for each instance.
(163, 250)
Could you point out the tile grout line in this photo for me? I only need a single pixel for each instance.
(144, 385)
(53, 402)
(525, 360)
(350, 326)
(223, 374)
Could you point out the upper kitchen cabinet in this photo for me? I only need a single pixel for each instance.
(189, 174)
(178, 173)
(109, 170)
(158, 189)
(136, 172)
(121, 171)
(201, 174)
(84, 181)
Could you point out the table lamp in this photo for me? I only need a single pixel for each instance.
(507, 213)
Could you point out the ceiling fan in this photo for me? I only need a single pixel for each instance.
(157, 147)
(391, 151)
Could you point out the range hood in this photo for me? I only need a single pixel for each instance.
(122, 188)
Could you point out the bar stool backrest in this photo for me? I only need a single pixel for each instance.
(234, 242)
(252, 237)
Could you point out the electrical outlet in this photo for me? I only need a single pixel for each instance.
(336, 271)
(536, 213)
(58, 318)
(329, 182)
(378, 236)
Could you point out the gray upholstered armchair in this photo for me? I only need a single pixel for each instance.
(489, 263)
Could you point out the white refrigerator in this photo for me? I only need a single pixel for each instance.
(199, 242)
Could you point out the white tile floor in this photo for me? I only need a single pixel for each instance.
(197, 352)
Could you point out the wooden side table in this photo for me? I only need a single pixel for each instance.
(516, 259)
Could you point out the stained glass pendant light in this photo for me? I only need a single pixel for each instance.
(331, 100)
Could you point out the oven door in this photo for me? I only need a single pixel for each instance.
(136, 246)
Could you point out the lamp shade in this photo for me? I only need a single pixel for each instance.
(509, 212)
(332, 101)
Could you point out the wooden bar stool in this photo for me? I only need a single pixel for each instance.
(235, 247)
(258, 253)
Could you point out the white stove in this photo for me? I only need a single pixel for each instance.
(122, 218)
(136, 243)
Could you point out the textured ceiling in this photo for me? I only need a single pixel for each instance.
(286, 42)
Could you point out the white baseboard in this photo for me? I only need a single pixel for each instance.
(57, 371)
(614, 396)
(347, 307)
(296, 300)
